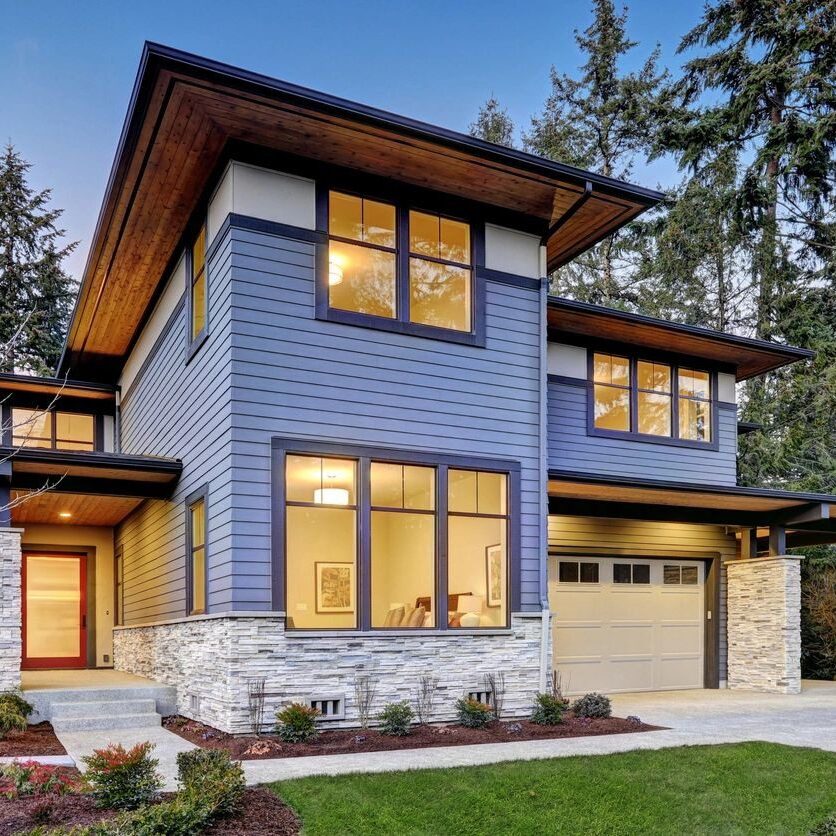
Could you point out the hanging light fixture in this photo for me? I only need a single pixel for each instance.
(330, 495)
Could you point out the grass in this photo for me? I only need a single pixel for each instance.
(731, 789)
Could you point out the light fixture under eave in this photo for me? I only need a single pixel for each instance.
(335, 273)
(330, 496)
(65, 515)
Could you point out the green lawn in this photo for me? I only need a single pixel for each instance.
(741, 788)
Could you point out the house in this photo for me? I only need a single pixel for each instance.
(318, 417)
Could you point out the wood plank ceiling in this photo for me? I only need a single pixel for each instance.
(30, 508)
(185, 114)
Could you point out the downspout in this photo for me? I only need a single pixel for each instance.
(545, 632)
(117, 423)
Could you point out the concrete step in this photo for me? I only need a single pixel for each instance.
(145, 720)
(102, 708)
(43, 700)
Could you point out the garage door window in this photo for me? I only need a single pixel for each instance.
(570, 571)
(685, 575)
(631, 573)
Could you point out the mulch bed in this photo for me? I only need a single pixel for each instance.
(345, 741)
(39, 739)
(261, 813)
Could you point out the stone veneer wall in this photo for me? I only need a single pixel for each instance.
(211, 659)
(764, 624)
(10, 608)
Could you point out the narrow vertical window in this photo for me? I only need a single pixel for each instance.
(611, 387)
(119, 586)
(198, 290)
(694, 405)
(477, 549)
(439, 271)
(197, 557)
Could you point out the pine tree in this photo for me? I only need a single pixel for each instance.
(37, 295)
(604, 120)
(493, 124)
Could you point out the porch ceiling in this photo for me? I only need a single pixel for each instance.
(29, 508)
(808, 518)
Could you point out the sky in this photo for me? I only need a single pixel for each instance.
(67, 68)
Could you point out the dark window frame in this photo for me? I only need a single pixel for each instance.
(403, 200)
(200, 495)
(632, 581)
(7, 418)
(632, 434)
(193, 343)
(119, 586)
(578, 562)
(364, 455)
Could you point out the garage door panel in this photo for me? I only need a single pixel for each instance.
(629, 636)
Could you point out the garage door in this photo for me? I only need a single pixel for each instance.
(627, 625)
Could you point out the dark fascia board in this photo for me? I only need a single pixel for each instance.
(140, 464)
(787, 353)
(156, 57)
(689, 487)
(746, 427)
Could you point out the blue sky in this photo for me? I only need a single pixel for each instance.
(67, 68)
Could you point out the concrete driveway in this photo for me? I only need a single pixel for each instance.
(805, 719)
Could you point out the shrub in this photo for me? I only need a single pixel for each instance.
(25, 778)
(211, 777)
(473, 714)
(396, 719)
(826, 828)
(123, 779)
(592, 705)
(548, 710)
(10, 719)
(296, 723)
(15, 700)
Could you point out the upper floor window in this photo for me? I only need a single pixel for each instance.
(53, 430)
(198, 296)
(399, 265)
(651, 399)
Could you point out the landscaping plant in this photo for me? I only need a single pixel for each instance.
(592, 705)
(425, 698)
(255, 704)
(17, 702)
(296, 723)
(495, 683)
(396, 719)
(364, 690)
(211, 777)
(123, 779)
(473, 714)
(548, 710)
(10, 719)
(26, 778)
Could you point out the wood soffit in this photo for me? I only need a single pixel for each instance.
(186, 111)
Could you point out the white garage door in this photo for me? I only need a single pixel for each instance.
(627, 625)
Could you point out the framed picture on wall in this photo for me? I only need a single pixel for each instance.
(334, 587)
(494, 559)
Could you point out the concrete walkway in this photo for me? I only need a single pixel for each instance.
(693, 717)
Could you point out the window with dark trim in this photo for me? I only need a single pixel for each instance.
(573, 571)
(392, 263)
(650, 400)
(634, 573)
(674, 575)
(119, 586)
(53, 429)
(198, 287)
(375, 540)
(196, 554)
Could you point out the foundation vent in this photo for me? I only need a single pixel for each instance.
(194, 704)
(480, 694)
(330, 706)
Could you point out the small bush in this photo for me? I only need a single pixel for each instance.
(474, 714)
(826, 828)
(592, 705)
(396, 719)
(179, 817)
(548, 710)
(26, 778)
(296, 723)
(10, 719)
(16, 701)
(123, 779)
(213, 778)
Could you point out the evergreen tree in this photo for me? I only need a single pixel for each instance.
(37, 295)
(604, 120)
(493, 124)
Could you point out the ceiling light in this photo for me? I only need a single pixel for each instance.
(65, 515)
(330, 496)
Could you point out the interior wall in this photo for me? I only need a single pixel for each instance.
(98, 543)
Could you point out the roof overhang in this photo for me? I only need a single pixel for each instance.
(571, 320)
(56, 387)
(186, 111)
(807, 517)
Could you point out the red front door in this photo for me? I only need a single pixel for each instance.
(54, 610)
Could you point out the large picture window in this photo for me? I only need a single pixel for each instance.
(53, 430)
(396, 263)
(650, 399)
(380, 543)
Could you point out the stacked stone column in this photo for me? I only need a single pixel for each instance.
(10, 608)
(764, 624)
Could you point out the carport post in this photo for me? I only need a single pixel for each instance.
(748, 543)
(777, 540)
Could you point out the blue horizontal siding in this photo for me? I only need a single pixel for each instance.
(572, 448)
(293, 375)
